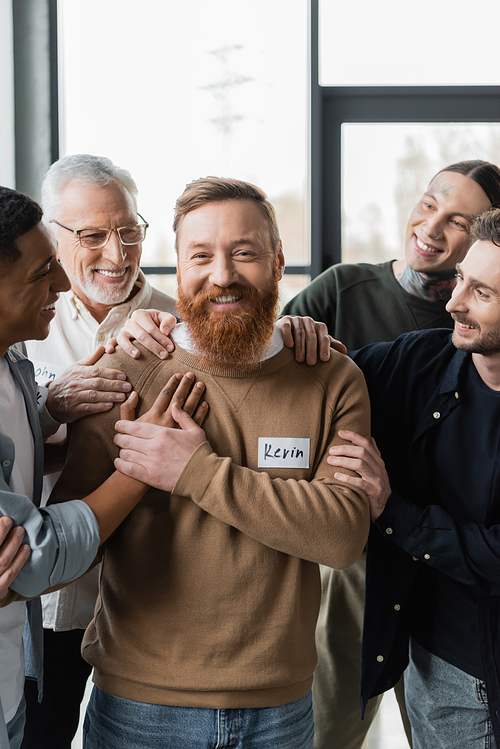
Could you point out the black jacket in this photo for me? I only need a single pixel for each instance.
(414, 384)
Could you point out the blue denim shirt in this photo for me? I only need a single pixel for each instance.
(64, 538)
(414, 385)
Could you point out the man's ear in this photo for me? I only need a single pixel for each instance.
(280, 259)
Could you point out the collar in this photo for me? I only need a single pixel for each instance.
(445, 398)
(452, 374)
(16, 353)
(180, 335)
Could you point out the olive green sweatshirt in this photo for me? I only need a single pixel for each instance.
(209, 595)
(364, 304)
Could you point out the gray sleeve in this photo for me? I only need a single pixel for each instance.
(64, 540)
(48, 424)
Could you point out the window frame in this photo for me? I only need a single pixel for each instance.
(332, 106)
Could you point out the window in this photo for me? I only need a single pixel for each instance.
(7, 143)
(172, 100)
(385, 170)
(394, 43)
(384, 42)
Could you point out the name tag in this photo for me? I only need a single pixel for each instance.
(283, 452)
(45, 371)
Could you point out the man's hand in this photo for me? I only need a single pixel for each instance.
(154, 454)
(13, 553)
(309, 338)
(85, 388)
(363, 456)
(151, 327)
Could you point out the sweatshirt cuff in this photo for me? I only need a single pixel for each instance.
(197, 474)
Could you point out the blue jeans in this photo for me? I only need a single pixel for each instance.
(447, 707)
(115, 723)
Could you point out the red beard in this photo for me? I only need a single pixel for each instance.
(237, 338)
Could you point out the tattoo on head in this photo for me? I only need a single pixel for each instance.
(442, 186)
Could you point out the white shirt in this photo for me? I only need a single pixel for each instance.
(14, 422)
(74, 334)
(180, 335)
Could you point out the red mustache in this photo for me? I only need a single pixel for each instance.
(215, 292)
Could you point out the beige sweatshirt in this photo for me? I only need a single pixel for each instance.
(209, 595)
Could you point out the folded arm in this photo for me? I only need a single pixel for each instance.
(318, 520)
(321, 519)
(64, 538)
(63, 542)
(467, 552)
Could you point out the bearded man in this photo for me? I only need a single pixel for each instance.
(204, 633)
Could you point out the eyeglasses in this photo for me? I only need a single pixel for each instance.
(95, 239)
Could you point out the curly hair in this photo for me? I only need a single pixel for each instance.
(486, 228)
(18, 214)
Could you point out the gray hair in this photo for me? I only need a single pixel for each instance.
(82, 167)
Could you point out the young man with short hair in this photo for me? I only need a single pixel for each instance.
(433, 561)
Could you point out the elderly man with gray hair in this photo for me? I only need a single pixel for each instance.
(91, 205)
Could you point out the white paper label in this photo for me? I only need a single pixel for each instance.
(283, 452)
(45, 371)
